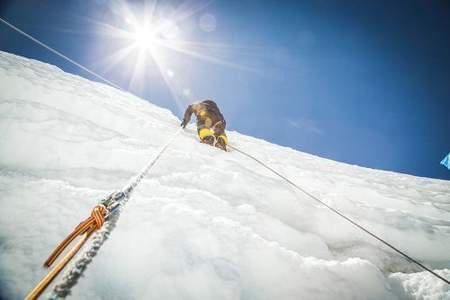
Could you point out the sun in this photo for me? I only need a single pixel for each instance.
(153, 37)
(145, 38)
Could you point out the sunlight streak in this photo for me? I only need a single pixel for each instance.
(147, 33)
(208, 58)
(167, 79)
(116, 58)
(138, 70)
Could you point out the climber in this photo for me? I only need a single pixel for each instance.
(210, 123)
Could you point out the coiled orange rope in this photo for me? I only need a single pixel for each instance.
(94, 222)
(86, 228)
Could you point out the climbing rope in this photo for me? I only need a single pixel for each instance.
(98, 215)
(107, 211)
(85, 229)
(94, 222)
(59, 53)
(112, 204)
(340, 214)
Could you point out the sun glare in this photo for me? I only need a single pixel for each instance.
(144, 38)
(153, 35)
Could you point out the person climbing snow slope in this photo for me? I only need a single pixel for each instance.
(210, 123)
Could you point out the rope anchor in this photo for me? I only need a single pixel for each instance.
(85, 229)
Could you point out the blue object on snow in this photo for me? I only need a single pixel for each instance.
(446, 161)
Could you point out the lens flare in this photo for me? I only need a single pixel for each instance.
(144, 38)
(150, 36)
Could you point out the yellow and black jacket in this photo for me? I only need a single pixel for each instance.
(210, 122)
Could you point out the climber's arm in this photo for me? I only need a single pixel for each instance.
(187, 116)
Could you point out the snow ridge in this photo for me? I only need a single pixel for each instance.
(206, 224)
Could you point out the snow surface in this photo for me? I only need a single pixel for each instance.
(204, 224)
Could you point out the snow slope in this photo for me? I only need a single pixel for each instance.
(204, 224)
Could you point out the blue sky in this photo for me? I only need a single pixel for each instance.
(358, 82)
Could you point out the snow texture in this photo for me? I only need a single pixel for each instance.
(204, 224)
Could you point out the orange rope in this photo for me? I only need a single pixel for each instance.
(94, 222)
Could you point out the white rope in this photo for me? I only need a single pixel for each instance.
(75, 270)
(337, 212)
(72, 274)
(59, 54)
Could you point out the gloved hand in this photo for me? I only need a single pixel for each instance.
(183, 124)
